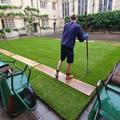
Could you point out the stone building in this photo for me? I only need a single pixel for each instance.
(55, 11)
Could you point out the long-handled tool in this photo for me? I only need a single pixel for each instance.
(87, 70)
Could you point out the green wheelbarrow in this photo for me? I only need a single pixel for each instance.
(107, 104)
(15, 90)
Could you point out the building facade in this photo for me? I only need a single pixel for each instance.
(46, 7)
(55, 10)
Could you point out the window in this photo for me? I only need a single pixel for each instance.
(110, 5)
(53, 5)
(65, 9)
(100, 5)
(105, 5)
(8, 23)
(5, 1)
(43, 4)
(82, 6)
(31, 3)
(45, 23)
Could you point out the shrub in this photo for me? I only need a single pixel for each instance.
(8, 30)
(67, 19)
(101, 20)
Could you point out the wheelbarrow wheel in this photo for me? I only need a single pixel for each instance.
(30, 97)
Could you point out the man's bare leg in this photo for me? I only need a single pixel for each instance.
(58, 68)
(68, 75)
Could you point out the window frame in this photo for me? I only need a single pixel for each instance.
(5, 1)
(105, 5)
(54, 5)
(43, 4)
(9, 23)
(65, 9)
(82, 6)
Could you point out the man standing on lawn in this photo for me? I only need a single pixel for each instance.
(71, 31)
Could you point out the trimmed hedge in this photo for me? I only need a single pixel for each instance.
(103, 20)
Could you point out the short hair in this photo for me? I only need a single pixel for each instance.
(73, 17)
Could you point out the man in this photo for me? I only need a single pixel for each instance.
(71, 31)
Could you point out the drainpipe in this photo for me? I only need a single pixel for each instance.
(93, 6)
(73, 6)
(38, 16)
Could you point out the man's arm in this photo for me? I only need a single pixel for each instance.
(64, 29)
(80, 34)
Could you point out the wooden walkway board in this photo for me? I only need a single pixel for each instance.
(5, 52)
(74, 83)
(25, 60)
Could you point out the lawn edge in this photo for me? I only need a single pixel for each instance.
(87, 104)
(55, 111)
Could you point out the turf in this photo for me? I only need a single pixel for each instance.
(102, 56)
(66, 101)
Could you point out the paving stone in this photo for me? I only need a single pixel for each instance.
(25, 60)
(43, 112)
(74, 83)
(49, 116)
(5, 52)
(84, 116)
(89, 107)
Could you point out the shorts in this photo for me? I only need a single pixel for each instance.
(68, 53)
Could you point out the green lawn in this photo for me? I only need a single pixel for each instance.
(66, 101)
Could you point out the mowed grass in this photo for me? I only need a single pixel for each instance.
(66, 101)
(102, 56)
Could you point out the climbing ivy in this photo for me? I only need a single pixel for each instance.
(4, 7)
(30, 16)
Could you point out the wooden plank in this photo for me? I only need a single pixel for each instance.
(74, 83)
(5, 52)
(25, 60)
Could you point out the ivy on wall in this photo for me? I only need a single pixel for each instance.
(5, 7)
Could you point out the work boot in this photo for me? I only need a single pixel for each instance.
(69, 76)
(57, 73)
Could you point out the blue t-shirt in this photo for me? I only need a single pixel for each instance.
(71, 31)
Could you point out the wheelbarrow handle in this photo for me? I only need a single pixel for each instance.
(29, 74)
(11, 75)
(99, 84)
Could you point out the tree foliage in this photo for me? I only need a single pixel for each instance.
(30, 15)
(67, 19)
(8, 13)
(102, 20)
(5, 7)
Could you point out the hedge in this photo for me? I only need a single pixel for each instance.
(101, 20)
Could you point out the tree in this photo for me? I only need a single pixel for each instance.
(30, 15)
(103, 20)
